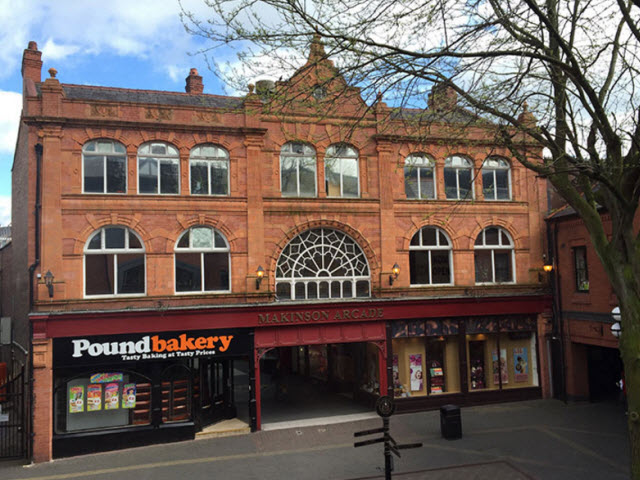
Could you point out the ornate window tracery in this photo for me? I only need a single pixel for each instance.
(322, 263)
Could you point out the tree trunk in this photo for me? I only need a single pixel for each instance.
(630, 352)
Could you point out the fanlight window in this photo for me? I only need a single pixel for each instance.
(322, 263)
(104, 164)
(114, 263)
(209, 170)
(298, 170)
(430, 258)
(202, 261)
(494, 256)
(419, 179)
(341, 171)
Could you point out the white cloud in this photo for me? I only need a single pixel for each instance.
(5, 210)
(54, 51)
(10, 108)
(66, 29)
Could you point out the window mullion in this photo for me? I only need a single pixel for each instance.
(458, 183)
(430, 268)
(493, 266)
(105, 189)
(209, 177)
(202, 289)
(115, 273)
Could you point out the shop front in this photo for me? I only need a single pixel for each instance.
(126, 390)
(464, 360)
(424, 353)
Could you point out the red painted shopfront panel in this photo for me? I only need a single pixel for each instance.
(319, 334)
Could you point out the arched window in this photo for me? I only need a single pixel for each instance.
(114, 263)
(458, 175)
(322, 263)
(298, 170)
(496, 179)
(419, 171)
(494, 256)
(202, 261)
(430, 261)
(104, 167)
(158, 168)
(209, 170)
(341, 171)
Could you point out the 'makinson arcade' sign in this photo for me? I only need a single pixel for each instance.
(149, 347)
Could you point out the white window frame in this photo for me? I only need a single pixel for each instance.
(340, 245)
(104, 156)
(287, 154)
(172, 158)
(429, 249)
(202, 252)
(493, 248)
(349, 153)
(422, 161)
(502, 165)
(113, 251)
(457, 169)
(195, 157)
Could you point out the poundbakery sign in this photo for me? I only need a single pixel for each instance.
(149, 347)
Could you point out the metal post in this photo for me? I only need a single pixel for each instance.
(387, 450)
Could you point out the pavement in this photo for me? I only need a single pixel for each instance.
(540, 439)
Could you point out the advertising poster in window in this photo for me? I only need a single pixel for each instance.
(500, 368)
(106, 377)
(111, 396)
(94, 397)
(396, 373)
(76, 399)
(129, 395)
(521, 367)
(415, 362)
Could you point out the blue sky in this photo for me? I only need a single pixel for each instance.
(118, 43)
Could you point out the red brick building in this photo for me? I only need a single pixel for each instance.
(587, 361)
(207, 253)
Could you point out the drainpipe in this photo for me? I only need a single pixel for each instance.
(560, 317)
(32, 269)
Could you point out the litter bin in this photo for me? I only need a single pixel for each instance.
(450, 422)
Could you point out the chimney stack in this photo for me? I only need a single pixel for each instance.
(442, 97)
(32, 63)
(194, 82)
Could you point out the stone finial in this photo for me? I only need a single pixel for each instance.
(251, 88)
(194, 82)
(526, 117)
(316, 52)
(32, 45)
(53, 72)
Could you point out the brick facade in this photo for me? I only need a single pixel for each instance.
(584, 314)
(256, 219)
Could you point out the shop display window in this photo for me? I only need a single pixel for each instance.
(501, 353)
(425, 358)
(102, 400)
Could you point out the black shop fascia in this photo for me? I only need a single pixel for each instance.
(135, 389)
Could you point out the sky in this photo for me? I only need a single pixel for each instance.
(118, 43)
